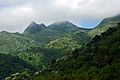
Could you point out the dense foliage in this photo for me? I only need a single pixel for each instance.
(70, 42)
(98, 60)
(13, 42)
(16, 45)
(9, 65)
(104, 25)
(31, 51)
(62, 51)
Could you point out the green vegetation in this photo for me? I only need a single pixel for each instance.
(51, 32)
(62, 51)
(64, 44)
(12, 42)
(70, 42)
(9, 65)
(98, 60)
(16, 45)
(105, 25)
(27, 50)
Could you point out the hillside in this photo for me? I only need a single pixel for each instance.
(63, 51)
(10, 42)
(10, 65)
(104, 25)
(81, 37)
(16, 45)
(70, 42)
(98, 60)
(28, 50)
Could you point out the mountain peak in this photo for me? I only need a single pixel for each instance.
(34, 27)
(32, 24)
(64, 26)
(42, 25)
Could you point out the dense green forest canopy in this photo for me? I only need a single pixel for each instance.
(98, 60)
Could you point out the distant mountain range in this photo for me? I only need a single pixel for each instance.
(45, 34)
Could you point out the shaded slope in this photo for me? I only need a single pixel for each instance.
(26, 49)
(98, 60)
(9, 65)
(16, 45)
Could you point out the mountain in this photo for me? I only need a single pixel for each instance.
(34, 28)
(63, 51)
(53, 31)
(104, 25)
(69, 42)
(10, 65)
(27, 49)
(61, 37)
(65, 27)
(31, 51)
(98, 60)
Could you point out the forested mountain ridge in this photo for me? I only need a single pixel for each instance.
(104, 25)
(98, 60)
(15, 44)
(70, 42)
(64, 51)
(64, 36)
(10, 42)
(31, 51)
(53, 31)
(82, 39)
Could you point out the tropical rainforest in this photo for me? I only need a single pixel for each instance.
(62, 51)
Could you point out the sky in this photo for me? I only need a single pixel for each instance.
(16, 15)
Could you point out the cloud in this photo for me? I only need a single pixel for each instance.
(17, 14)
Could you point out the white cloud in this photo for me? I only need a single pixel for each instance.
(17, 14)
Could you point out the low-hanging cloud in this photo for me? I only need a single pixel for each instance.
(15, 15)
